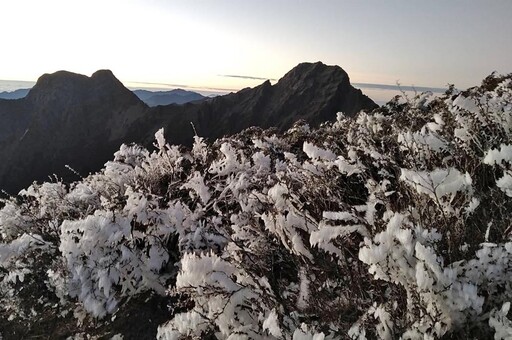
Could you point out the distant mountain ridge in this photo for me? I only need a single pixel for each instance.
(71, 119)
(176, 96)
(16, 94)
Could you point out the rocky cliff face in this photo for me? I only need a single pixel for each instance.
(70, 119)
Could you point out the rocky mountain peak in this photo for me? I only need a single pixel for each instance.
(104, 79)
(307, 74)
(315, 92)
(62, 83)
(67, 88)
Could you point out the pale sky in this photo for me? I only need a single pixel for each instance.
(195, 42)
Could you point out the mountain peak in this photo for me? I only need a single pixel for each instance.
(310, 72)
(65, 86)
(107, 77)
(103, 73)
(316, 92)
(50, 79)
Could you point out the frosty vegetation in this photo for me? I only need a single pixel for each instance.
(392, 224)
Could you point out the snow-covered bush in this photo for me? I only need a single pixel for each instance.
(394, 223)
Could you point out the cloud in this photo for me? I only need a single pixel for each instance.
(244, 77)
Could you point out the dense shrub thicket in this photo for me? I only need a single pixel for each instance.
(394, 223)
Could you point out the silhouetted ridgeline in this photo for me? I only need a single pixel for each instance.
(71, 119)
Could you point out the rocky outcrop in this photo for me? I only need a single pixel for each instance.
(71, 119)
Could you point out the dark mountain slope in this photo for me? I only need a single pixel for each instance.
(71, 119)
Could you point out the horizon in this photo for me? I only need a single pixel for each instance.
(233, 45)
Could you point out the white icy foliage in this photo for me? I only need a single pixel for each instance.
(501, 324)
(9, 253)
(196, 184)
(423, 140)
(495, 156)
(222, 293)
(437, 183)
(406, 255)
(100, 254)
(315, 152)
(502, 158)
(271, 324)
(302, 333)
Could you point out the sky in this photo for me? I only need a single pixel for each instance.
(203, 44)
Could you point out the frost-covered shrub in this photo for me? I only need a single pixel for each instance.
(105, 259)
(439, 298)
(501, 324)
(390, 224)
